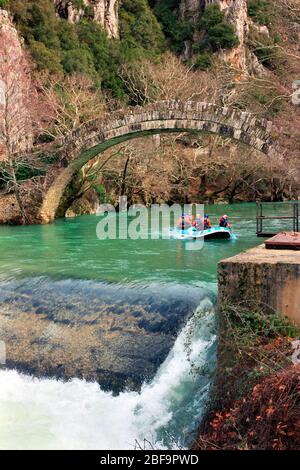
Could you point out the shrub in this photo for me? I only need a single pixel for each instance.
(48, 158)
(78, 61)
(222, 36)
(258, 10)
(175, 30)
(4, 3)
(45, 58)
(266, 419)
(139, 27)
(100, 189)
(212, 16)
(266, 54)
(203, 61)
(253, 344)
(79, 4)
(219, 34)
(25, 172)
(22, 172)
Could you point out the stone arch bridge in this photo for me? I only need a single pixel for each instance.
(98, 135)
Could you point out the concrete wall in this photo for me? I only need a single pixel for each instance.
(270, 277)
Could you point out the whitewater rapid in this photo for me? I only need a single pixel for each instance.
(51, 414)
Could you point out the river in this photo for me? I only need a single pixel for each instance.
(65, 263)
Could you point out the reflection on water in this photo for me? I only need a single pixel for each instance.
(70, 249)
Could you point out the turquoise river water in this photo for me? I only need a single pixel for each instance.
(53, 414)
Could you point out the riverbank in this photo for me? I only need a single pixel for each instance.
(257, 392)
(256, 404)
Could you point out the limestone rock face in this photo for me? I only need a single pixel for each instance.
(104, 12)
(192, 9)
(15, 86)
(235, 12)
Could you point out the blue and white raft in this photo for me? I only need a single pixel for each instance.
(213, 233)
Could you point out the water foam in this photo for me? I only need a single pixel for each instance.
(50, 414)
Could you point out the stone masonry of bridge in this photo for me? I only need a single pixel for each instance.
(168, 116)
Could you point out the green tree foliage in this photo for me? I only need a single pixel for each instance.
(175, 30)
(222, 36)
(45, 58)
(36, 21)
(203, 61)
(259, 11)
(212, 17)
(64, 48)
(218, 33)
(4, 3)
(139, 27)
(93, 39)
(78, 60)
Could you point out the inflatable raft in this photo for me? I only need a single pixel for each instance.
(213, 233)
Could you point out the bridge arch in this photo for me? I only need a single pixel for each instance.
(88, 141)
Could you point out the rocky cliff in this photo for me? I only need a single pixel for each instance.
(191, 9)
(15, 86)
(104, 12)
(235, 12)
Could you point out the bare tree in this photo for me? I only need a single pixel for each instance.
(292, 7)
(69, 102)
(15, 122)
(197, 168)
(147, 81)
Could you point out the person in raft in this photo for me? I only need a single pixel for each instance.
(224, 222)
(197, 222)
(184, 222)
(207, 222)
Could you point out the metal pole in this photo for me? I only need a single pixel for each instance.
(294, 217)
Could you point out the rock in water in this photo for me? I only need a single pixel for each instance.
(115, 335)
